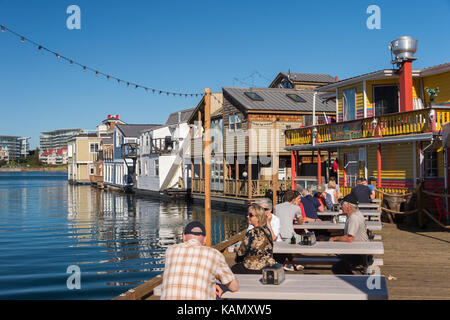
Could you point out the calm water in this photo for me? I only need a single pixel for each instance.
(117, 241)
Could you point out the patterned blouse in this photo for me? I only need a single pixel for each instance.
(256, 249)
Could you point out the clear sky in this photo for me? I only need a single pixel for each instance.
(185, 46)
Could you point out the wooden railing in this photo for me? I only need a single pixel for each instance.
(240, 188)
(404, 123)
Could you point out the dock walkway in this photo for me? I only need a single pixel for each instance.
(416, 263)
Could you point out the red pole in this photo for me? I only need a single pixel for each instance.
(293, 166)
(319, 167)
(406, 95)
(379, 166)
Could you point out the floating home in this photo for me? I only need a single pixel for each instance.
(247, 137)
(162, 167)
(119, 160)
(389, 127)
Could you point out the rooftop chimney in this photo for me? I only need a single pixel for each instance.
(404, 48)
(117, 116)
(109, 116)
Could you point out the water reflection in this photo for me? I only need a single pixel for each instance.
(134, 231)
(117, 240)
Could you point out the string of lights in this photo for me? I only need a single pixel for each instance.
(108, 76)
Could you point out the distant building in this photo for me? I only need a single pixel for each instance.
(24, 147)
(57, 138)
(15, 146)
(82, 153)
(4, 154)
(54, 156)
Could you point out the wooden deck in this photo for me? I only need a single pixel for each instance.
(416, 263)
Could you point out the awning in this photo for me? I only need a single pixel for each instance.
(359, 142)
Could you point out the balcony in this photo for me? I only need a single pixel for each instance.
(397, 124)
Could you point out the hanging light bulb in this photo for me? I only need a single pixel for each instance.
(57, 55)
(22, 39)
(3, 29)
(84, 68)
(96, 73)
(39, 48)
(118, 80)
(71, 62)
(136, 86)
(107, 77)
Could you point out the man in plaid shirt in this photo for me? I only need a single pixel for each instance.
(192, 269)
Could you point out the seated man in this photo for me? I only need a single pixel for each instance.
(311, 205)
(324, 198)
(191, 262)
(362, 192)
(355, 231)
(288, 212)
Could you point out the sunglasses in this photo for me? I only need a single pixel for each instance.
(250, 215)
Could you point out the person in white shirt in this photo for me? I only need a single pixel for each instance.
(273, 222)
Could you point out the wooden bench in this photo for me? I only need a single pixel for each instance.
(311, 287)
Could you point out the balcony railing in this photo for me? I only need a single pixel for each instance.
(404, 123)
(240, 188)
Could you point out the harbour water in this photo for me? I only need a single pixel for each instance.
(117, 241)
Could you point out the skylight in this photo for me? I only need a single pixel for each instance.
(254, 96)
(295, 97)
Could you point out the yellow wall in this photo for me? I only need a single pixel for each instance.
(443, 82)
(82, 150)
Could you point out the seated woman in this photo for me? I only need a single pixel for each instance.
(256, 250)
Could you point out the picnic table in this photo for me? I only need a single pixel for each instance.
(326, 247)
(366, 212)
(329, 225)
(311, 287)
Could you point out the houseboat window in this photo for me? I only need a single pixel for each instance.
(146, 168)
(254, 96)
(93, 147)
(385, 99)
(91, 170)
(349, 104)
(156, 167)
(285, 83)
(118, 139)
(139, 167)
(431, 164)
(351, 167)
(295, 97)
(235, 122)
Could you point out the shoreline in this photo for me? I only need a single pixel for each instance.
(34, 169)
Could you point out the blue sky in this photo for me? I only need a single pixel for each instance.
(185, 46)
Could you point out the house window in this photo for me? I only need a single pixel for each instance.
(431, 164)
(91, 170)
(351, 167)
(295, 97)
(254, 96)
(235, 122)
(139, 167)
(117, 139)
(385, 99)
(146, 168)
(349, 104)
(93, 147)
(156, 167)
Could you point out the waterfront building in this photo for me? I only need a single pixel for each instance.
(119, 160)
(247, 140)
(24, 147)
(17, 146)
(4, 154)
(82, 154)
(105, 131)
(54, 156)
(389, 128)
(163, 165)
(56, 139)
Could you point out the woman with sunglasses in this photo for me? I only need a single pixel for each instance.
(256, 250)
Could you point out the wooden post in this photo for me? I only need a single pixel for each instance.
(420, 203)
(293, 168)
(249, 171)
(207, 166)
(236, 165)
(274, 163)
(379, 166)
(249, 177)
(319, 167)
(192, 161)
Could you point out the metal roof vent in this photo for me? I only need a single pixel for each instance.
(404, 49)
